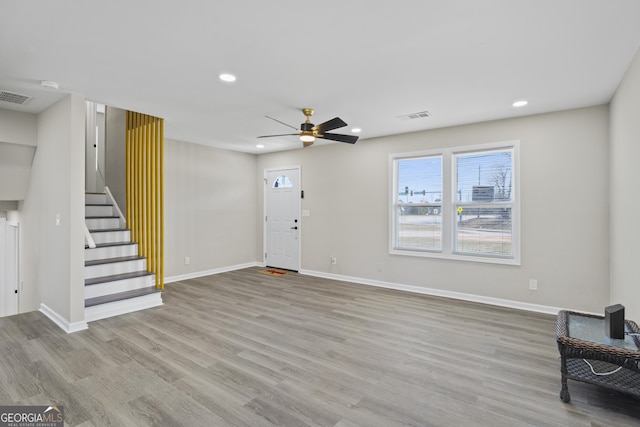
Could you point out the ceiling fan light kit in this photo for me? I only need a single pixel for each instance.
(309, 132)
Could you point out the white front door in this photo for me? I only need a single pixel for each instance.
(9, 270)
(282, 220)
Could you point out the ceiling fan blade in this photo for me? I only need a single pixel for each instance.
(350, 139)
(282, 123)
(284, 134)
(330, 125)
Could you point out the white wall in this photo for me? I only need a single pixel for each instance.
(625, 203)
(52, 256)
(564, 187)
(9, 278)
(15, 169)
(18, 140)
(18, 128)
(115, 170)
(210, 208)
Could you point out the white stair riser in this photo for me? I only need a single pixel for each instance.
(103, 210)
(110, 252)
(112, 236)
(111, 268)
(117, 308)
(95, 199)
(117, 286)
(102, 223)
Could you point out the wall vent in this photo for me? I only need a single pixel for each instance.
(413, 116)
(14, 98)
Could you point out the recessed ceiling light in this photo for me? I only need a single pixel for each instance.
(521, 103)
(225, 77)
(259, 146)
(356, 130)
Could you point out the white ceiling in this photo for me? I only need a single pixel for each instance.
(365, 61)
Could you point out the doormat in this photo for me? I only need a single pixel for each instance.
(274, 272)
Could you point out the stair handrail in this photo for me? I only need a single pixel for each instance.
(87, 237)
(112, 200)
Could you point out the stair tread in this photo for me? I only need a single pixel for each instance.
(106, 245)
(101, 217)
(116, 277)
(113, 260)
(120, 296)
(98, 204)
(106, 230)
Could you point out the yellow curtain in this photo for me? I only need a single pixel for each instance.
(145, 189)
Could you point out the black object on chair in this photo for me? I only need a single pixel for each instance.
(614, 321)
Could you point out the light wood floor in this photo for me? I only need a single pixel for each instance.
(247, 349)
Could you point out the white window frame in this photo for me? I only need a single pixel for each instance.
(449, 186)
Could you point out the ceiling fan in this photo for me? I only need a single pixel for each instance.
(309, 132)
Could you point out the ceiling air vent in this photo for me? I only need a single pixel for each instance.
(14, 98)
(412, 116)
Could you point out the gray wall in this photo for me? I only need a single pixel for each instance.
(115, 146)
(52, 256)
(564, 187)
(625, 203)
(18, 128)
(18, 141)
(15, 170)
(210, 208)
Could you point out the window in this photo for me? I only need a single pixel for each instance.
(282, 181)
(459, 203)
(419, 203)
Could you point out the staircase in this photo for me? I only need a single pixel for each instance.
(116, 280)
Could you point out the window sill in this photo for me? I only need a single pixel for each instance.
(457, 257)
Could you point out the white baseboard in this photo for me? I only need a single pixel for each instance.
(438, 292)
(537, 308)
(61, 321)
(211, 272)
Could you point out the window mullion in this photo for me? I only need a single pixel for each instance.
(447, 203)
(393, 216)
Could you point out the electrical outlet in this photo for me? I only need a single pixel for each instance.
(187, 260)
(533, 285)
(333, 260)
